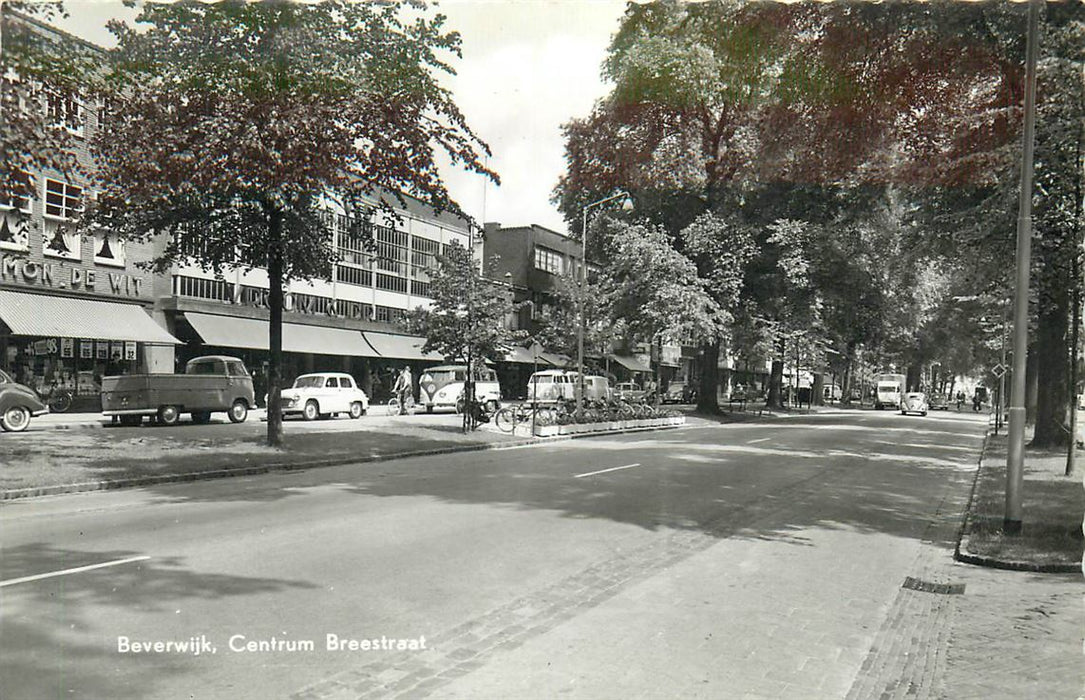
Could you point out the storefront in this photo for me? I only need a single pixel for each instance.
(52, 342)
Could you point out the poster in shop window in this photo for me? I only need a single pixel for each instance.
(102, 350)
(86, 350)
(67, 347)
(116, 349)
(130, 350)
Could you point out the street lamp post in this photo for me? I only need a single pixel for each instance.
(627, 205)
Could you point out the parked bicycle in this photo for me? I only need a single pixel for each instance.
(58, 398)
(511, 416)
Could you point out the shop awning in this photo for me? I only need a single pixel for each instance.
(399, 347)
(630, 363)
(252, 334)
(525, 356)
(557, 359)
(68, 317)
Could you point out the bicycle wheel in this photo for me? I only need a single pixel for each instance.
(393, 406)
(543, 416)
(60, 401)
(505, 420)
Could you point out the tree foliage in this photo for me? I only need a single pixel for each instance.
(238, 126)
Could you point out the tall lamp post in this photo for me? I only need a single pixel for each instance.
(627, 205)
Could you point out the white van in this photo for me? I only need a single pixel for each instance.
(554, 384)
(442, 387)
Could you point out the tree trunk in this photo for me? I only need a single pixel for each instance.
(817, 389)
(776, 383)
(1051, 351)
(275, 330)
(707, 398)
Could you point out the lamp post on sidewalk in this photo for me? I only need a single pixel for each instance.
(627, 205)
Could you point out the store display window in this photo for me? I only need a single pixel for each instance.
(74, 364)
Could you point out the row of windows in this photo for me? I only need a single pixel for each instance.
(62, 200)
(548, 260)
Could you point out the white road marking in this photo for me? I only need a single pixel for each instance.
(750, 442)
(65, 572)
(604, 471)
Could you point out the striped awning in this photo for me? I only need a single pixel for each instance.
(70, 317)
(252, 334)
(399, 347)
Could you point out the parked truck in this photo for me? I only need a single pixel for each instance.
(209, 384)
(888, 390)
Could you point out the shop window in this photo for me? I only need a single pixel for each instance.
(108, 249)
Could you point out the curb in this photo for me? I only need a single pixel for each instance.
(111, 484)
(990, 562)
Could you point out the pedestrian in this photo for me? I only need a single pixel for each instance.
(651, 391)
(960, 400)
(403, 388)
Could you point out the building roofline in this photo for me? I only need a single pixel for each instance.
(60, 33)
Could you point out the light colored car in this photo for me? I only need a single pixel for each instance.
(324, 395)
(914, 402)
(629, 391)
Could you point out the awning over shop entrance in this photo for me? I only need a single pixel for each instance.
(557, 359)
(399, 347)
(252, 334)
(630, 363)
(68, 317)
(525, 356)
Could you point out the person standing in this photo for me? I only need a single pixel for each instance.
(403, 388)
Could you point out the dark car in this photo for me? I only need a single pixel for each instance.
(18, 403)
(678, 392)
(939, 402)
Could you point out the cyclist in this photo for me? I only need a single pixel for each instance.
(403, 387)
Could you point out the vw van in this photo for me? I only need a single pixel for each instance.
(443, 387)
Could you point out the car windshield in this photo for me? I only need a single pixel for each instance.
(308, 382)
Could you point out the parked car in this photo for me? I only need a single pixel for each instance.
(914, 402)
(939, 402)
(324, 395)
(443, 387)
(18, 403)
(210, 383)
(629, 391)
(550, 385)
(677, 392)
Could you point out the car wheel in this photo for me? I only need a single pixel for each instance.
(311, 410)
(239, 411)
(169, 415)
(15, 419)
(356, 409)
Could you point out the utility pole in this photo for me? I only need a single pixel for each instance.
(1015, 458)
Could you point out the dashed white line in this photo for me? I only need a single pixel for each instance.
(604, 471)
(65, 572)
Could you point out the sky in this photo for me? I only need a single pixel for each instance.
(528, 66)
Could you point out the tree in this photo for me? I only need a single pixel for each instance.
(559, 317)
(653, 289)
(240, 126)
(467, 320)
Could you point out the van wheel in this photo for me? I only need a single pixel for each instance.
(311, 410)
(169, 415)
(15, 419)
(238, 412)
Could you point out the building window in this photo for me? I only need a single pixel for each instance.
(108, 249)
(62, 200)
(387, 314)
(14, 210)
(200, 288)
(548, 260)
(420, 288)
(17, 194)
(354, 275)
(391, 250)
(391, 283)
(63, 109)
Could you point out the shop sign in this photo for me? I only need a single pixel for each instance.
(130, 350)
(20, 270)
(47, 346)
(67, 347)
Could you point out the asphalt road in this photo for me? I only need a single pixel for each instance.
(676, 564)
